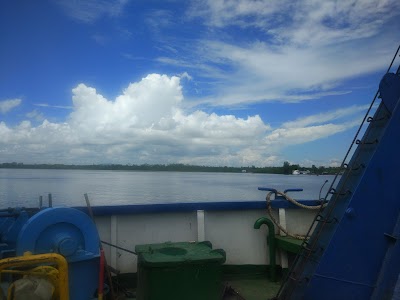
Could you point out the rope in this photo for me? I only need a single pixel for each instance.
(120, 248)
(269, 209)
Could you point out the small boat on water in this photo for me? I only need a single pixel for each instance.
(342, 246)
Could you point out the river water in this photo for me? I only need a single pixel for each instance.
(19, 187)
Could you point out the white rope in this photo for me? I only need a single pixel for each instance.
(269, 209)
(288, 198)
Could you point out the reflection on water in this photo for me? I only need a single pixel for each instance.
(23, 187)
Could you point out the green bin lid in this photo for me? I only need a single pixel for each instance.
(169, 254)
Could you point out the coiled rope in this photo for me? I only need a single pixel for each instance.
(290, 199)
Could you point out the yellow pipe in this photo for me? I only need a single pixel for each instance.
(10, 293)
(17, 272)
(53, 258)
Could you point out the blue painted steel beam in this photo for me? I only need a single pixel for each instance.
(187, 207)
(353, 252)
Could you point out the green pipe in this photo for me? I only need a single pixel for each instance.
(270, 243)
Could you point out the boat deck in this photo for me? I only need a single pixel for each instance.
(238, 288)
(253, 289)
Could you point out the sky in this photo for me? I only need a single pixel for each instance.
(219, 83)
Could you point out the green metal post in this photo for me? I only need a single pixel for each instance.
(271, 243)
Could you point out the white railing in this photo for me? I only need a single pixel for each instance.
(228, 229)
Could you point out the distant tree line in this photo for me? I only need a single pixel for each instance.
(287, 168)
(314, 170)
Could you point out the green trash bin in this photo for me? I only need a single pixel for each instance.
(179, 271)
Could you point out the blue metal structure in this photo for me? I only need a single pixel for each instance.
(354, 249)
(61, 230)
(11, 222)
(191, 207)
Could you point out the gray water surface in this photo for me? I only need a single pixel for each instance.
(20, 187)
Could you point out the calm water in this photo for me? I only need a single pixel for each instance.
(23, 187)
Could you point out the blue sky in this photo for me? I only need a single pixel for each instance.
(214, 82)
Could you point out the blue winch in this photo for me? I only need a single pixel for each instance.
(62, 230)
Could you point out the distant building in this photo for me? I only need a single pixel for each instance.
(298, 172)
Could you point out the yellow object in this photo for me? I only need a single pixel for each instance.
(59, 276)
(42, 280)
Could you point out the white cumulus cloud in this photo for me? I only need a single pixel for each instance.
(146, 123)
(300, 135)
(7, 105)
(35, 115)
